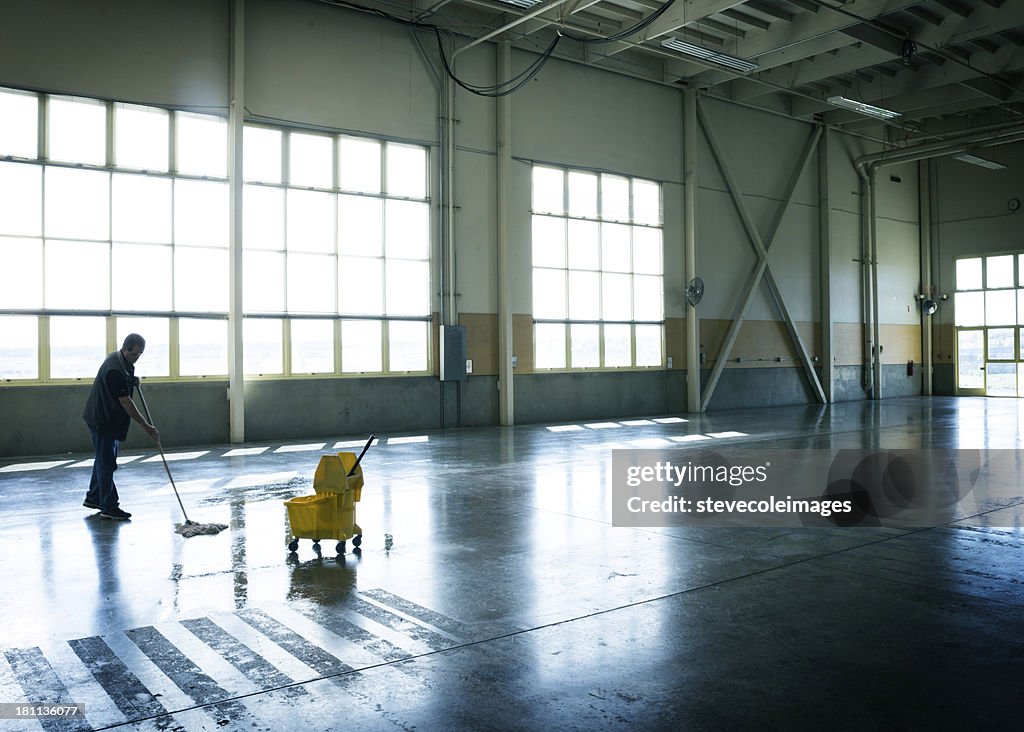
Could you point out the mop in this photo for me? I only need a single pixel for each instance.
(189, 528)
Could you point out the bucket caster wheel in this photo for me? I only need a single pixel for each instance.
(293, 545)
(357, 540)
(341, 547)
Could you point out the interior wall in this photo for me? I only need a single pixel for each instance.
(970, 217)
(312, 64)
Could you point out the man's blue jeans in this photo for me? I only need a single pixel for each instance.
(102, 490)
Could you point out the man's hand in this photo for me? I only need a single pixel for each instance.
(152, 431)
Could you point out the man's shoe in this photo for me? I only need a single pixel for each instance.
(89, 504)
(116, 513)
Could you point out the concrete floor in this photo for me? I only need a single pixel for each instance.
(492, 592)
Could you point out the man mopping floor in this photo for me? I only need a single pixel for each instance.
(108, 413)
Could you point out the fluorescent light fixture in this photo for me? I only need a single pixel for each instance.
(744, 66)
(863, 108)
(524, 4)
(981, 162)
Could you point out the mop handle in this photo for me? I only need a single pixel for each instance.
(365, 448)
(162, 456)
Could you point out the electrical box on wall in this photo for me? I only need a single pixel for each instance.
(452, 339)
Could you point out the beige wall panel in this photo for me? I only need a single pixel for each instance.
(900, 343)
(759, 343)
(522, 343)
(675, 342)
(481, 341)
(848, 344)
(943, 342)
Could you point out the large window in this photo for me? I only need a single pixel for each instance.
(989, 319)
(597, 270)
(119, 216)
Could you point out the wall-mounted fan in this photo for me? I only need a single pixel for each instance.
(695, 291)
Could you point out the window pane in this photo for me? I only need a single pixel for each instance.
(313, 346)
(614, 197)
(77, 346)
(19, 345)
(360, 225)
(648, 345)
(361, 285)
(201, 213)
(615, 247)
(20, 113)
(310, 160)
(646, 202)
(21, 198)
(156, 361)
(970, 359)
(263, 218)
(141, 138)
(584, 295)
(311, 283)
(1020, 307)
(21, 276)
(361, 349)
(616, 297)
(202, 145)
(1001, 307)
(310, 221)
(617, 346)
(406, 170)
(969, 308)
(141, 277)
(585, 345)
(407, 346)
(408, 287)
(646, 250)
(261, 159)
(78, 131)
(77, 203)
(549, 349)
(141, 209)
(1000, 379)
(263, 346)
(582, 194)
(77, 275)
(548, 190)
(263, 288)
(584, 245)
(1000, 344)
(359, 165)
(549, 294)
(968, 274)
(999, 272)
(200, 280)
(1020, 270)
(548, 241)
(203, 347)
(407, 229)
(648, 302)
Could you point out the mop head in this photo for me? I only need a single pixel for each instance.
(191, 528)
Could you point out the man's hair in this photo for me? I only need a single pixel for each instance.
(132, 340)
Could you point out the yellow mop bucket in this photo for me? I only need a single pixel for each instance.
(331, 513)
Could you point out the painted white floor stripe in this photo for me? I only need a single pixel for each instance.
(602, 425)
(311, 447)
(172, 456)
(187, 486)
(407, 440)
(566, 428)
(121, 460)
(650, 442)
(82, 686)
(636, 422)
(238, 451)
(353, 443)
(251, 479)
(727, 434)
(670, 420)
(689, 438)
(25, 467)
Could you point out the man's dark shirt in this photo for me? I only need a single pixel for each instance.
(103, 412)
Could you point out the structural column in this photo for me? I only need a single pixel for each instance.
(693, 400)
(236, 117)
(506, 401)
(925, 225)
(825, 270)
